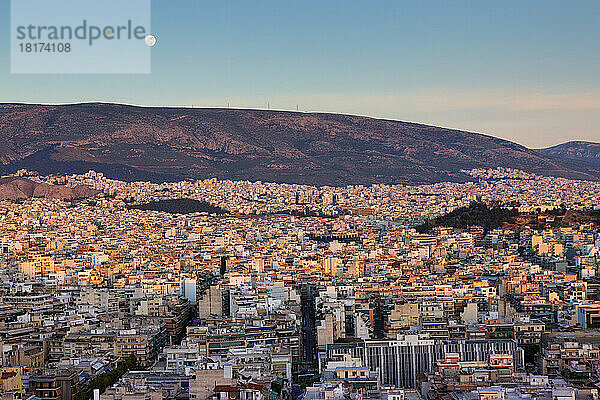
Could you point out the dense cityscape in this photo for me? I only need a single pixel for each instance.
(299, 200)
(485, 289)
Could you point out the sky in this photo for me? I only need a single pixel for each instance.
(527, 71)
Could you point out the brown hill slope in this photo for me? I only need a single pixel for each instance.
(23, 188)
(150, 143)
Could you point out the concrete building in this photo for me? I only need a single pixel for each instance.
(211, 303)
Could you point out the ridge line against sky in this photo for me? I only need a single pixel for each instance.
(522, 71)
(273, 107)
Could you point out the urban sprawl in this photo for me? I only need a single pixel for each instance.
(300, 292)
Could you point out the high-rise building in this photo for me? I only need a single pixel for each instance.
(188, 289)
(399, 362)
(211, 303)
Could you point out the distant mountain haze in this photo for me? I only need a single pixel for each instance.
(165, 144)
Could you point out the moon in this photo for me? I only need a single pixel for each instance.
(150, 40)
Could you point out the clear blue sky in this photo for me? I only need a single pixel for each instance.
(524, 70)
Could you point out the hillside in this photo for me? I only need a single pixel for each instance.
(23, 188)
(493, 215)
(162, 144)
(576, 150)
(488, 217)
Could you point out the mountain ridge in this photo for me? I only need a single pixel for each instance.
(171, 143)
(575, 150)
